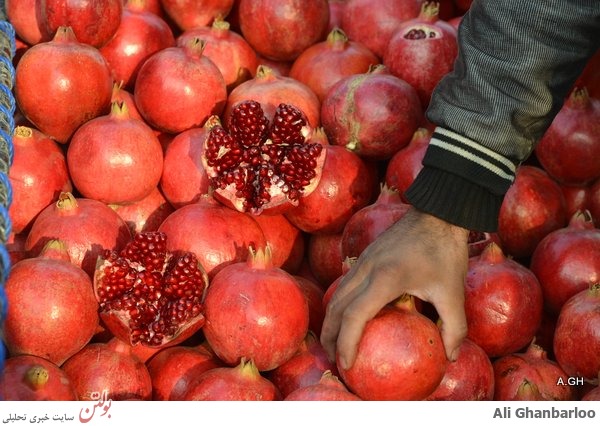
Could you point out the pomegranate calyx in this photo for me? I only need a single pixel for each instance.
(36, 377)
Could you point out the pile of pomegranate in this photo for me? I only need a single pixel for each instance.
(192, 179)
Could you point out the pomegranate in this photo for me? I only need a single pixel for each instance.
(324, 253)
(270, 90)
(374, 114)
(221, 236)
(69, 220)
(286, 241)
(372, 22)
(184, 179)
(140, 34)
(477, 241)
(323, 64)
(145, 215)
(94, 22)
(283, 29)
(577, 335)
(404, 166)
(149, 295)
(347, 263)
(24, 19)
(188, 14)
(314, 297)
(503, 302)
(592, 395)
(73, 74)
(305, 368)
(175, 368)
(245, 317)
(260, 166)
(369, 222)
(576, 197)
(31, 378)
(590, 78)
(400, 356)
(52, 311)
(518, 376)
(111, 368)
(469, 378)
(178, 88)
(567, 261)
(422, 50)
(328, 388)
(569, 149)
(37, 175)
(594, 202)
(532, 208)
(230, 52)
(115, 148)
(240, 383)
(347, 184)
(336, 11)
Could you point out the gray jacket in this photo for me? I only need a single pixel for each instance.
(517, 62)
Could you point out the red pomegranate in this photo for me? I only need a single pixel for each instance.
(324, 253)
(69, 220)
(262, 166)
(518, 376)
(325, 63)
(145, 215)
(469, 378)
(94, 22)
(115, 158)
(577, 335)
(37, 175)
(174, 369)
(52, 311)
(347, 184)
(404, 166)
(369, 222)
(314, 297)
(532, 208)
(270, 90)
(346, 265)
(31, 378)
(73, 74)
(195, 13)
(503, 302)
(140, 34)
(577, 197)
(374, 114)
(400, 356)
(245, 317)
(149, 295)
(178, 88)
(477, 241)
(569, 150)
(110, 368)
(305, 368)
(422, 50)
(336, 12)
(184, 179)
(240, 383)
(220, 236)
(230, 52)
(567, 261)
(372, 22)
(594, 202)
(286, 241)
(282, 29)
(328, 388)
(24, 19)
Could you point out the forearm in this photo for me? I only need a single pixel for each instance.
(517, 61)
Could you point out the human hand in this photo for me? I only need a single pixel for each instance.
(419, 255)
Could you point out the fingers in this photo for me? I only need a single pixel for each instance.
(454, 323)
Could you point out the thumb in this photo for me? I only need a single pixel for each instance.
(453, 326)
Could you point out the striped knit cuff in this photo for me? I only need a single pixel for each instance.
(461, 182)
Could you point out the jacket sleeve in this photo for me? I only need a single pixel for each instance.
(517, 63)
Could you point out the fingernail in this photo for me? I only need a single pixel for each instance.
(343, 363)
(454, 355)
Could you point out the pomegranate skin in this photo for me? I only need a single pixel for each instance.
(287, 242)
(74, 75)
(52, 311)
(187, 14)
(94, 22)
(282, 29)
(26, 22)
(145, 215)
(328, 388)
(567, 261)
(31, 378)
(324, 253)
(503, 302)
(577, 335)
(400, 357)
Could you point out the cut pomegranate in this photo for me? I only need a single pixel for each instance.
(255, 166)
(149, 295)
